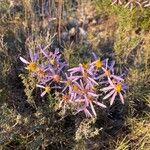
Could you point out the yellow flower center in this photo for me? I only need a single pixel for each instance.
(107, 73)
(75, 88)
(52, 61)
(94, 87)
(85, 75)
(98, 64)
(47, 89)
(118, 88)
(85, 66)
(68, 83)
(32, 66)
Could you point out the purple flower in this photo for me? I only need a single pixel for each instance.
(85, 108)
(46, 88)
(86, 71)
(115, 88)
(69, 82)
(109, 71)
(31, 65)
(88, 96)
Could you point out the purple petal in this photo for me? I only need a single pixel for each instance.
(80, 100)
(31, 54)
(93, 110)
(81, 83)
(89, 84)
(75, 78)
(72, 96)
(40, 86)
(121, 97)
(92, 94)
(99, 104)
(74, 69)
(43, 93)
(44, 52)
(78, 84)
(109, 94)
(87, 113)
(107, 88)
(24, 61)
(56, 51)
(86, 100)
(106, 64)
(70, 89)
(94, 55)
(93, 80)
(90, 71)
(75, 95)
(64, 89)
(110, 82)
(113, 98)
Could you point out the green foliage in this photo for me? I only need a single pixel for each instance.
(85, 130)
(4, 5)
(75, 54)
(29, 83)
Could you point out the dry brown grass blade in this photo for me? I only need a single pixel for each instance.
(59, 17)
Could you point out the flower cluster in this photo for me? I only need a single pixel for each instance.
(132, 3)
(78, 85)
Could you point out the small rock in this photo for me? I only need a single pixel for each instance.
(82, 32)
(72, 23)
(72, 31)
(65, 36)
(94, 22)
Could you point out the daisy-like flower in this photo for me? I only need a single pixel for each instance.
(46, 88)
(109, 72)
(54, 58)
(97, 63)
(88, 96)
(69, 82)
(115, 88)
(31, 65)
(54, 75)
(86, 71)
(42, 74)
(82, 106)
(56, 55)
